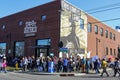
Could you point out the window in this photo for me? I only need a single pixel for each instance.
(3, 48)
(114, 52)
(81, 23)
(106, 50)
(89, 27)
(20, 23)
(43, 17)
(106, 33)
(3, 27)
(19, 49)
(110, 35)
(113, 36)
(44, 42)
(110, 51)
(96, 29)
(101, 31)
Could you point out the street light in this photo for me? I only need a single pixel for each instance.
(97, 41)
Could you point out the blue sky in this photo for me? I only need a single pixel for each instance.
(8, 7)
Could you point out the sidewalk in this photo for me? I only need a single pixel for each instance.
(63, 74)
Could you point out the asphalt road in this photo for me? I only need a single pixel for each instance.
(27, 76)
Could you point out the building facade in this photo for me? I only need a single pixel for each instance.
(56, 28)
(32, 32)
(41, 30)
(102, 39)
(73, 32)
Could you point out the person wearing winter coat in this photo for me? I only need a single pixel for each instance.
(116, 67)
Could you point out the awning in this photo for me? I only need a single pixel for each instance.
(39, 46)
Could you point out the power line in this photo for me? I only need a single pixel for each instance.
(106, 20)
(102, 7)
(104, 10)
(99, 21)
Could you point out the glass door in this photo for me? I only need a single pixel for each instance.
(42, 52)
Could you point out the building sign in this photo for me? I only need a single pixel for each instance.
(30, 28)
(63, 49)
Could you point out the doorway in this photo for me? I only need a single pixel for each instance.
(42, 52)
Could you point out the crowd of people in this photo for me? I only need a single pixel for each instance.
(71, 64)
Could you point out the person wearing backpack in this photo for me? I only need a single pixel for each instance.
(116, 67)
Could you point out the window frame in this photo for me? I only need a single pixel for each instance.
(101, 31)
(114, 37)
(106, 33)
(111, 35)
(110, 51)
(3, 45)
(81, 23)
(3, 27)
(89, 27)
(23, 48)
(20, 22)
(96, 29)
(114, 52)
(43, 17)
(107, 50)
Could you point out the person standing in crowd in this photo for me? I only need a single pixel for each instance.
(38, 64)
(55, 63)
(96, 66)
(87, 65)
(59, 66)
(0, 66)
(116, 67)
(44, 63)
(65, 64)
(47, 60)
(83, 63)
(33, 64)
(25, 63)
(104, 66)
(70, 65)
(4, 65)
(29, 63)
(77, 63)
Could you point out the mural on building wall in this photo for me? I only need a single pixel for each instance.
(73, 38)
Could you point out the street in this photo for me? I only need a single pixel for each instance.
(27, 76)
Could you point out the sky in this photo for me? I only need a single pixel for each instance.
(108, 12)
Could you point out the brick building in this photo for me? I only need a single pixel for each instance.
(49, 29)
(32, 31)
(102, 39)
(56, 28)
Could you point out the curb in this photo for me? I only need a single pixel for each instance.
(59, 74)
(67, 75)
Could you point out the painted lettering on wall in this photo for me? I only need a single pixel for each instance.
(30, 28)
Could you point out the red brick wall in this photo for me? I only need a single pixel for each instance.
(46, 29)
(104, 42)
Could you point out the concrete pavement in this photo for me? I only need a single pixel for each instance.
(63, 74)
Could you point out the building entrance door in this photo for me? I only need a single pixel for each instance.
(42, 52)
